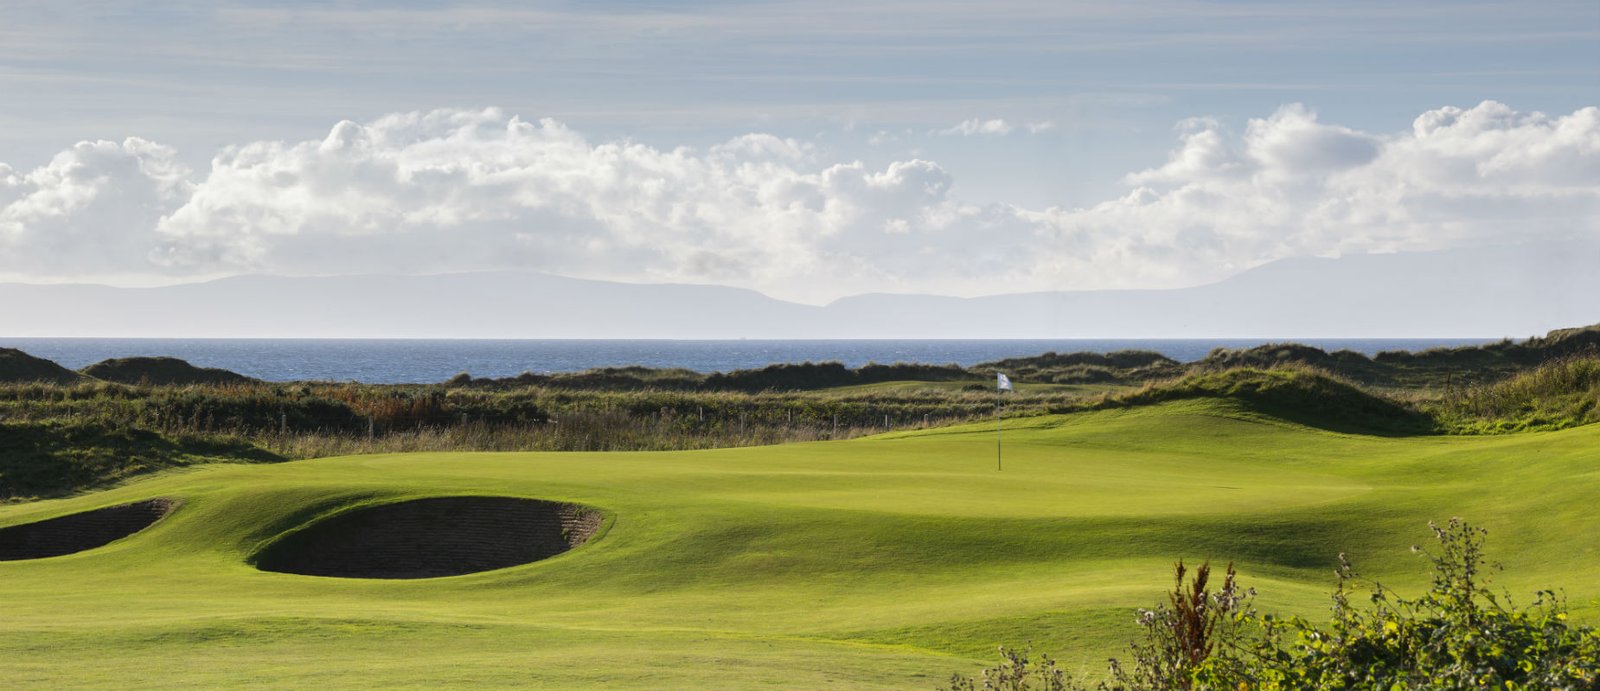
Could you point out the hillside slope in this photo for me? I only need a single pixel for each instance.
(17, 367)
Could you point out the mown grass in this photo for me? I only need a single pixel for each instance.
(875, 563)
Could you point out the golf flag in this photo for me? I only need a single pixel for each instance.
(1003, 384)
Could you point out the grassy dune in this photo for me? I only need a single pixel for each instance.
(878, 563)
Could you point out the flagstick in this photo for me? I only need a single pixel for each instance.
(997, 395)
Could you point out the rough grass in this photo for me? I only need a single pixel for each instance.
(252, 421)
(17, 367)
(165, 371)
(55, 458)
(877, 563)
(1297, 393)
(1559, 394)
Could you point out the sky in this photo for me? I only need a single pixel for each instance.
(806, 150)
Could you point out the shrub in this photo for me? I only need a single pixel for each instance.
(1016, 673)
(1458, 635)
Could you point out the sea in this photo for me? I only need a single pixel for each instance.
(432, 361)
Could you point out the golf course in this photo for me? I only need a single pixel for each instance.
(883, 562)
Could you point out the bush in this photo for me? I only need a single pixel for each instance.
(1016, 673)
(1457, 635)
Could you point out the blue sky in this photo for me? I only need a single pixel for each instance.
(1063, 102)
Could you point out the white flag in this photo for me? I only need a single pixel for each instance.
(1004, 383)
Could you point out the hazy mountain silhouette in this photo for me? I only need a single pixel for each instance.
(1505, 291)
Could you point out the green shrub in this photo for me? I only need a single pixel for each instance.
(1459, 634)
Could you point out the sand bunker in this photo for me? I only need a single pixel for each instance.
(80, 531)
(426, 538)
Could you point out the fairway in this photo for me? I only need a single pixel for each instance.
(879, 563)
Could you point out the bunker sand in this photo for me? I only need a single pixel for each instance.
(429, 538)
(80, 531)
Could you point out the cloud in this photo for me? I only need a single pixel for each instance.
(452, 190)
(994, 127)
(975, 126)
(91, 211)
(1294, 186)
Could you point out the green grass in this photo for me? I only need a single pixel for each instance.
(968, 387)
(1558, 394)
(878, 563)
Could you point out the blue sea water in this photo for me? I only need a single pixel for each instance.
(429, 361)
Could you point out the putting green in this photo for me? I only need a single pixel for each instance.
(884, 562)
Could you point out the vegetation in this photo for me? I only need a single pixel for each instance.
(133, 428)
(1459, 634)
(807, 376)
(167, 371)
(17, 366)
(1121, 366)
(148, 427)
(53, 458)
(881, 562)
(1296, 393)
(1556, 395)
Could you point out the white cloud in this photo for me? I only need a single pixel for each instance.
(463, 190)
(975, 126)
(993, 127)
(90, 211)
(1293, 186)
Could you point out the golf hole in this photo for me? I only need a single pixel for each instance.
(429, 538)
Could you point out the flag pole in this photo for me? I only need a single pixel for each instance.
(1002, 384)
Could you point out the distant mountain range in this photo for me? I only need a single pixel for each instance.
(1489, 292)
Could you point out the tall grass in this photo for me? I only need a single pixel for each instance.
(1563, 392)
(1290, 391)
(151, 427)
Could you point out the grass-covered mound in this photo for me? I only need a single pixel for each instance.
(1298, 394)
(1346, 362)
(41, 459)
(17, 367)
(1086, 368)
(804, 376)
(1561, 393)
(161, 371)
